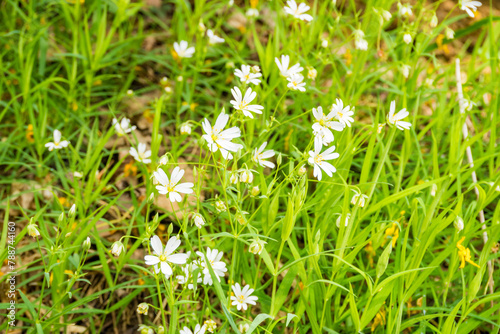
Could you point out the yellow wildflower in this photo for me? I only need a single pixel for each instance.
(392, 232)
(464, 254)
(379, 319)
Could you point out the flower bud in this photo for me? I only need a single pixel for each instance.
(302, 170)
(201, 26)
(240, 218)
(198, 220)
(61, 218)
(143, 308)
(312, 73)
(117, 248)
(185, 128)
(151, 198)
(407, 38)
(164, 81)
(130, 92)
(163, 160)
(86, 244)
(211, 325)
(233, 178)
(220, 206)
(256, 246)
(256, 69)
(386, 15)
(434, 21)
(243, 327)
(255, 191)
(143, 329)
(246, 176)
(450, 34)
(459, 224)
(434, 189)
(324, 43)
(72, 211)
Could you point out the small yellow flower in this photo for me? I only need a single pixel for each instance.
(379, 319)
(392, 232)
(130, 169)
(29, 133)
(464, 254)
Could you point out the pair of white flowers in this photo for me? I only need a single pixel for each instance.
(292, 74)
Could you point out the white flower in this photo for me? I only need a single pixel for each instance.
(186, 128)
(143, 329)
(243, 327)
(492, 184)
(470, 6)
(233, 177)
(163, 161)
(218, 139)
(242, 297)
(219, 267)
(130, 92)
(242, 103)
(434, 21)
(312, 73)
(211, 325)
(182, 49)
(197, 330)
(343, 114)
(407, 38)
(302, 170)
(359, 41)
(117, 248)
(295, 82)
(252, 12)
(213, 38)
(86, 244)
(468, 104)
(143, 308)
(386, 15)
(33, 231)
(283, 66)
(298, 11)
(347, 218)
(434, 189)
(358, 196)
(198, 220)
(396, 119)
(324, 43)
(459, 224)
(449, 33)
(140, 154)
(247, 76)
(123, 127)
(170, 187)
(57, 144)
(259, 155)
(405, 70)
(405, 10)
(255, 191)
(323, 124)
(77, 174)
(256, 246)
(246, 176)
(318, 160)
(220, 206)
(72, 211)
(187, 270)
(163, 256)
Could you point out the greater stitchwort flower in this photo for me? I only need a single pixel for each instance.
(284, 64)
(247, 75)
(298, 11)
(242, 103)
(318, 160)
(259, 156)
(242, 297)
(214, 258)
(221, 140)
(58, 143)
(141, 154)
(163, 256)
(123, 127)
(396, 119)
(170, 187)
(183, 50)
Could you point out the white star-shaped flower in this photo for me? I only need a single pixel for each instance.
(57, 144)
(197, 330)
(470, 6)
(242, 103)
(219, 267)
(163, 256)
(242, 297)
(296, 82)
(343, 114)
(183, 50)
(318, 160)
(323, 125)
(298, 11)
(213, 38)
(259, 155)
(170, 187)
(141, 154)
(123, 127)
(218, 139)
(247, 76)
(283, 66)
(396, 119)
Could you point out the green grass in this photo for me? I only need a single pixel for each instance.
(68, 66)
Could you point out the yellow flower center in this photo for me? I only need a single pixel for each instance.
(241, 298)
(163, 258)
(318, 159)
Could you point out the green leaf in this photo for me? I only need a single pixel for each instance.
(256, 322)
